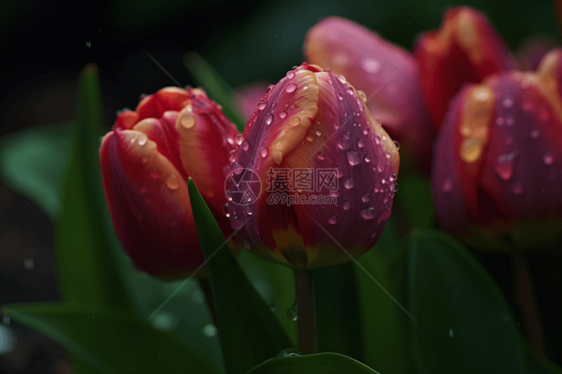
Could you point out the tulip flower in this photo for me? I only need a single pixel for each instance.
(466, 49)
(327, 171)
(497, 166)
(386, 73)
(145, 162)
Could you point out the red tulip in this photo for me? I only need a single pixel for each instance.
(145, 162)
(327, 171)
(465, 49)
(497, 167)
(386, 73)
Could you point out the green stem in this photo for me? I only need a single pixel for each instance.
(306, 312)
(527, 301)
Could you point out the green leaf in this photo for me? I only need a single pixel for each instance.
(86, 250)
(415, 199)
(32, 163)
(381, 288)
(321, 363)
(337, 305)
(464, 324)
(539, 365)
(108, 340)
(249, 332)
(215, 86)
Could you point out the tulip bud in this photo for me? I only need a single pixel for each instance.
(145, 162)
(327, 171)
(386, 73)
(465, 49)
(497, 166)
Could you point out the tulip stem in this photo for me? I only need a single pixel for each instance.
(527, 301)
(306, 311)
(206, 288)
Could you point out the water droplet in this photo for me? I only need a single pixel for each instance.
(349, 183)
(346, 205)
(262, 105)
(504, 165)
(353, 157)
(173, 182)
(143, 188)
(517, 188)
(395, 187)
(236, 222)
(535, 134)
(507, 102)
(225, 210)
(282, 114)
(291, 87)
(318, 133)
(320, 156)
(187, 121)
(269, 118)
(447, 185)
(263, 152)
(471, 149)
(294, 122)
(144, 160)
(377, 140)
(360, 143)
(342, 79)
(368, 158)
(246, 145)
(349, 90)
(335, 193)
(332, 220)
(397, 145)
(28, 264)
(210, 330)
(370, 65)
(239, 139)
(293, 312)
(310, 138)
(290, 74)
(155, 174)
(142, 139)
(548, 158)
(366, 197)
(368, 213)
(340, 96)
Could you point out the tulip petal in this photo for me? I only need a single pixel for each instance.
(149, 205)
(465, 49)
(165, 99)
(386, 73)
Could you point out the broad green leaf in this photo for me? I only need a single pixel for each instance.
(385, 325)
(539, 365)
(87, 254)
(108, 340)
(321, 363)
(338, 314)
(276, 284)
(249, 332)
(415, 200)
(215, 86)
(32, 163)
(464, 324)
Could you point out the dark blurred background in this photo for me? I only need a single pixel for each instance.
(44, 45)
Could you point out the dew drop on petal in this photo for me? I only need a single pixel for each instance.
(142, 139)
(290, 74)
(263, 152)
(245, 145)
(353, 157)
(332, 220)
(368, 213)
(366, 197)
(349, 183)
(282, 114)
(447, 185)
(335, 193)
(368, 158)
(339, 171)
(507, 102)
(397, 145)
(517, 188)
(360, 143)
(500, 121)
(310, 138)
(187, 121)
(155, 174)
(342, 79)
(269, 118)
(340, 96)
(239, 139)
(172, 182)
(548, 158)
(346, 205)
(294, 122)
(318, 133)
(262, 105)
(320, 156)
(395, 187)
(504, 165)
(370, 65)
(291, 87)
(236, 222)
